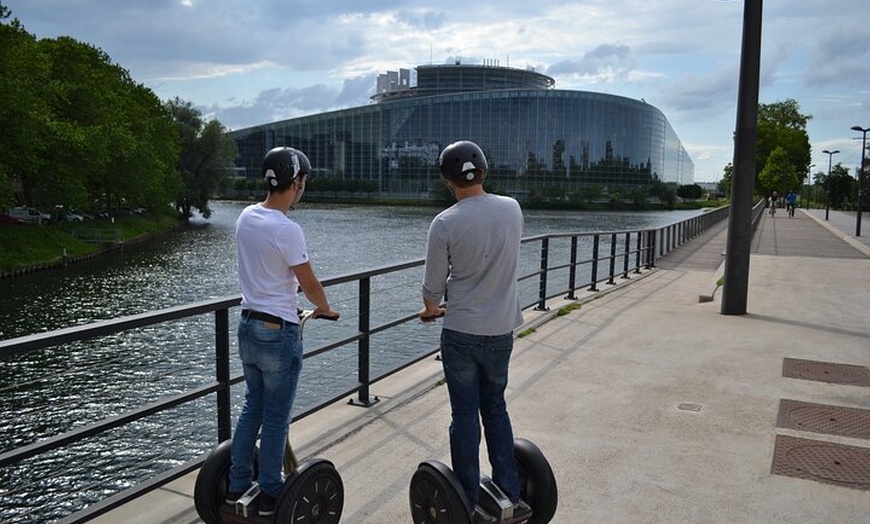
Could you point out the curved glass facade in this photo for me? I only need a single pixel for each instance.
(535, 137)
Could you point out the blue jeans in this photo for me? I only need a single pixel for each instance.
(272, 361)
(476, 369)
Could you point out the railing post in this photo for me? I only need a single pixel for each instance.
(652, 238)
(595, 242)
(612, 259)
(364, 345)
(542, 281)
(626, 255)
(638, 252)
(572, 270)
(222, 373)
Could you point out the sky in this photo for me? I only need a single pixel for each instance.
(247, 62)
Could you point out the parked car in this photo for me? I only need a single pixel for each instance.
(12, 221)
(30, 215)
(70, 217)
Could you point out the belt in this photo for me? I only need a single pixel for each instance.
(265, 317)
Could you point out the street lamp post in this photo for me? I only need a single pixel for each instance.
(828, 189)
(863, 132)
(735, 289)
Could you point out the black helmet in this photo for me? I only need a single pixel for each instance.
(282, 165)
(461, 160)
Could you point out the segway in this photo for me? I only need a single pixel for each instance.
(313, 491)
(436, 495)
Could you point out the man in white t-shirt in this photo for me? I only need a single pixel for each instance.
(273, 264)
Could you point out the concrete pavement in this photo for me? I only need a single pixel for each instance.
(651, 406)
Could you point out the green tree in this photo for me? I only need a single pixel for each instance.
(782, 125)
(77, 130)
(666, 193)
(25, 113)
(690, 191)
(207, 155)
(727, 177)
(839, 186)
(150, 157)
(778, 174)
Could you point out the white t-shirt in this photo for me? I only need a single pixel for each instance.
(268, 244)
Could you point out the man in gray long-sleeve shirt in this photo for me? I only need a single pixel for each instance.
(471, 257)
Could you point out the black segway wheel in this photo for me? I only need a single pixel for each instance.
(313, 494)
(210, 489)
(537, 482)
(436, 496)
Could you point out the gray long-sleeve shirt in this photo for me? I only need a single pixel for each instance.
(472, 254)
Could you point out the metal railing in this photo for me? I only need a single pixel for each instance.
(553, 265)
(98, 235)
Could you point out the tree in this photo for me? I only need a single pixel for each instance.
(666, 193)
(782, 125)
(690, 191)
(838, 186)
(25, 114)
(727, 177)
(207, 155)
(78, 132)
(778, 174)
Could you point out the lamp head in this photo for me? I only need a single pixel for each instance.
(860, 129)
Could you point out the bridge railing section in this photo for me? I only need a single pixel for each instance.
(379, 335)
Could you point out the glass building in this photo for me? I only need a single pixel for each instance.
(535, 137)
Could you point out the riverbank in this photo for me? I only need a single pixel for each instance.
(28, 248)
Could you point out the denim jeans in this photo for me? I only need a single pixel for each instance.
(476, 369)
(272, 361)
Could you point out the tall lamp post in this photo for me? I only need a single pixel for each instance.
(735, 289)
(863, 132)
(828, 189)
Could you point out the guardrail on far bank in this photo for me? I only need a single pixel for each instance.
(552, 265)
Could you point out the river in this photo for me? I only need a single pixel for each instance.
(55, 390)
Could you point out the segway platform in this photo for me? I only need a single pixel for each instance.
(436, 495)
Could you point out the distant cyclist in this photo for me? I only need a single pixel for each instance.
(772, 203)
(790, 202)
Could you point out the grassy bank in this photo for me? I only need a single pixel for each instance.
(23, 247)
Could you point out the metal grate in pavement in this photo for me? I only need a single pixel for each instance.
(826, 462)
(821, 418)
(826, 372)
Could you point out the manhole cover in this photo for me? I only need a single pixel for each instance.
(820, 418)
(826, 462)
(826, 372)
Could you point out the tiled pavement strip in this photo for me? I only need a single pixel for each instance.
(651, 406)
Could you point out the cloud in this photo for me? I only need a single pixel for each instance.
(356, 91)
(840, 56)
(423, 21)
(276, 104)
(607, 62)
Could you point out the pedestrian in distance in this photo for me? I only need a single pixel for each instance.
(273, 264)
(472, 258)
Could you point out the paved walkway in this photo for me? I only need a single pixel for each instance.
(651, 406)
